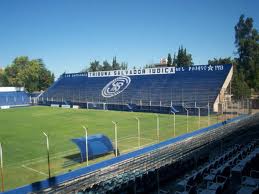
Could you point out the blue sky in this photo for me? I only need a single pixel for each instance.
(67, 35)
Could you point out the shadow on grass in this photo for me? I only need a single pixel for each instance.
(74, 159)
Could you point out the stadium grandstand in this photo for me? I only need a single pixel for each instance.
(222, 157)
(13, 97)
(164, 89)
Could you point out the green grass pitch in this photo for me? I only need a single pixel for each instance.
(24, 146)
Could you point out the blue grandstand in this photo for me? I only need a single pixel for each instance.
(151, 90)
(12, 97)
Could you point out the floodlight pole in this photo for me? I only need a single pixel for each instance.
(2, 167)
(199, 114)
(208, 114)
(138, 131)
(187, 119)
(86, 144)
(47, 143)
(116, 138)
(174, 123)
(157, 127)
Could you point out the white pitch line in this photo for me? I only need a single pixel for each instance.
(57, 155)
(122, 139)
(134, 137)
(28, 168)
(136, 148)
(150, 139)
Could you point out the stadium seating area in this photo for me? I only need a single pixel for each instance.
(234, 171)
(18, 98)
(151, 93)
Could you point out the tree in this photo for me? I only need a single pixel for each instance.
(95, 66)
(239, 87)
(115, 65)
(221, 61)
(106, 66)
(124, 66)
(246, 65)
(13, 71)
(31, 74)
(46, 78)
(247, 44)
(169, 60)
(174, 61)
(183, 59)
(2, 77)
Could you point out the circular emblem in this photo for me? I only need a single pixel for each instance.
(116, 86)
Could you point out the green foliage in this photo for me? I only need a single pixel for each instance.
(221, 61)
(174, 61)
(169, 60)
(1, 77)
(31, 74)
(240, 89)
(124, 66)
(182, 59)
(115, 65)
(95, 66)
(246, 65)
(106, 66)
(247, 44)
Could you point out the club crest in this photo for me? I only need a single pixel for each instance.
(116, 86)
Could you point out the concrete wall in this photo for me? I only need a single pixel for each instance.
(222, 91)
